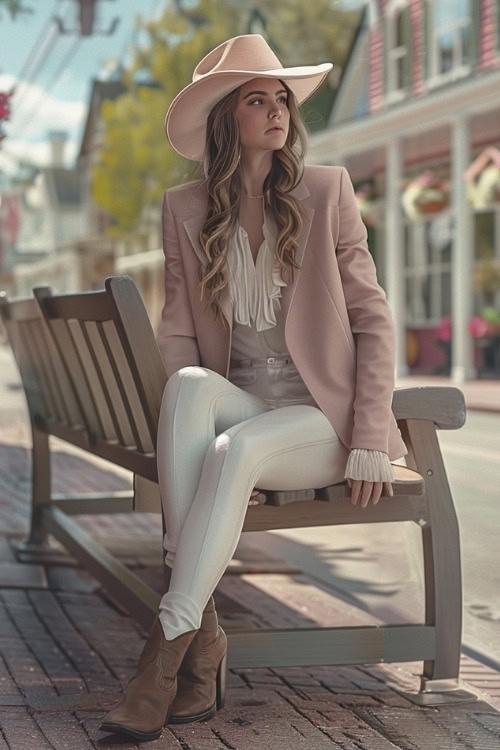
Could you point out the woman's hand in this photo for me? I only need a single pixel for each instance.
(365, 491)
(257, 498)
(360, 489)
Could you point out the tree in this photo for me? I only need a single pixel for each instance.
(14, 8)
(136, 163)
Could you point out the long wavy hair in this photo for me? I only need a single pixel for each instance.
(222, 172)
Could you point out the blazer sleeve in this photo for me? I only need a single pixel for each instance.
(372, 326)
(176, 336)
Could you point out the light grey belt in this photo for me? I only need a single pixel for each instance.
(261, 361)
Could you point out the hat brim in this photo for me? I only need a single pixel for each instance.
(186, 118)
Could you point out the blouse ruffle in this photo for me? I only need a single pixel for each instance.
(254, 288)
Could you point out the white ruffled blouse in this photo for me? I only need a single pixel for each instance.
(255, 288)
(255, 291)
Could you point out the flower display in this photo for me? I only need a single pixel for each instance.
(487, 323)
(425, 194)
(478, 327)
(370, 207)
(483, 178)
(444, 330)
(4, 111)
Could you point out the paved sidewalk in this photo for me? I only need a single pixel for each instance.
(67, 650)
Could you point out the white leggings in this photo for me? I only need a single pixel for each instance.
(216, 442)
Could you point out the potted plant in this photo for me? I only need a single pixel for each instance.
(425, 194)
(485, 328)
(370, 207)
(4, 111)
(486, 279)
(483, 178)
(487, 323)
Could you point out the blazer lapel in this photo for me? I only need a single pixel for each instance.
(198, 203)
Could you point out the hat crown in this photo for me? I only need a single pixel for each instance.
(245, 52)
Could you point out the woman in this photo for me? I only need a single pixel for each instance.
(251, 402)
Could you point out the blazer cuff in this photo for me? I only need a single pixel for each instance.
(369, 465)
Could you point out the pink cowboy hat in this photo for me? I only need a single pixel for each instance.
(222, 70)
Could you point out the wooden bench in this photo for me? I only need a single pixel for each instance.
(93, 376)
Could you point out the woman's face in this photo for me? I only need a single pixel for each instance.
(262, 104)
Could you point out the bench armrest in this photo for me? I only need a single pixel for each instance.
(443, 405)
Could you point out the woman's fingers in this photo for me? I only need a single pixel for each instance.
(257, 498)
(364, 491)
(377, 491)
(356, 485)
(361, 490)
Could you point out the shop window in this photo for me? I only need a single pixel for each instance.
(486, 262)
(427, 270)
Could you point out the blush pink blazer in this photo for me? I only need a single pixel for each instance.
(338, 325)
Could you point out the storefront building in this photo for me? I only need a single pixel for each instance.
(416, 122)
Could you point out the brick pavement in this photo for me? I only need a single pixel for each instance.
(67, 649)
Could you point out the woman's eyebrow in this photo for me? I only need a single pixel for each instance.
(264, 93)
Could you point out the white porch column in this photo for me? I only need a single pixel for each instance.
(394, 251)
(462, 362)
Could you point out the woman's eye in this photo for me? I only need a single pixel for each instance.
(259, 99)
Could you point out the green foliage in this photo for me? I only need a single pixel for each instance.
(491, 314)
(136, 162)
(14, 8)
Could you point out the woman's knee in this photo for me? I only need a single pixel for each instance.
(191, 377)
(238, 445)
(192, 372)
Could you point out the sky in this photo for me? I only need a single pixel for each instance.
(53, 73)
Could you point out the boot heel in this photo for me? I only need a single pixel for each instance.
(221, 682)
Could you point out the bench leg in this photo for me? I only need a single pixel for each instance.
(439, 683)
(35, 548)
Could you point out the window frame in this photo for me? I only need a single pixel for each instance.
(497, 27)
(396, 53)
(426, 272)
(457, 71)
(432, 272)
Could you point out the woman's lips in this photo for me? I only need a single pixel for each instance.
(275, 130)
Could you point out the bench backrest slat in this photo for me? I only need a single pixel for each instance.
(95, 337)
(126, 383)
(36, 337)
(71, 415)
(93, 379)
(69, 355)
(26, 359)
(138, 341)
(50, 397)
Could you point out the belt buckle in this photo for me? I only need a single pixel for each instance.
(270, 360)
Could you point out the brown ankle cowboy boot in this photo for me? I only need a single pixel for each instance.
(144, 708)
(201, 679)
